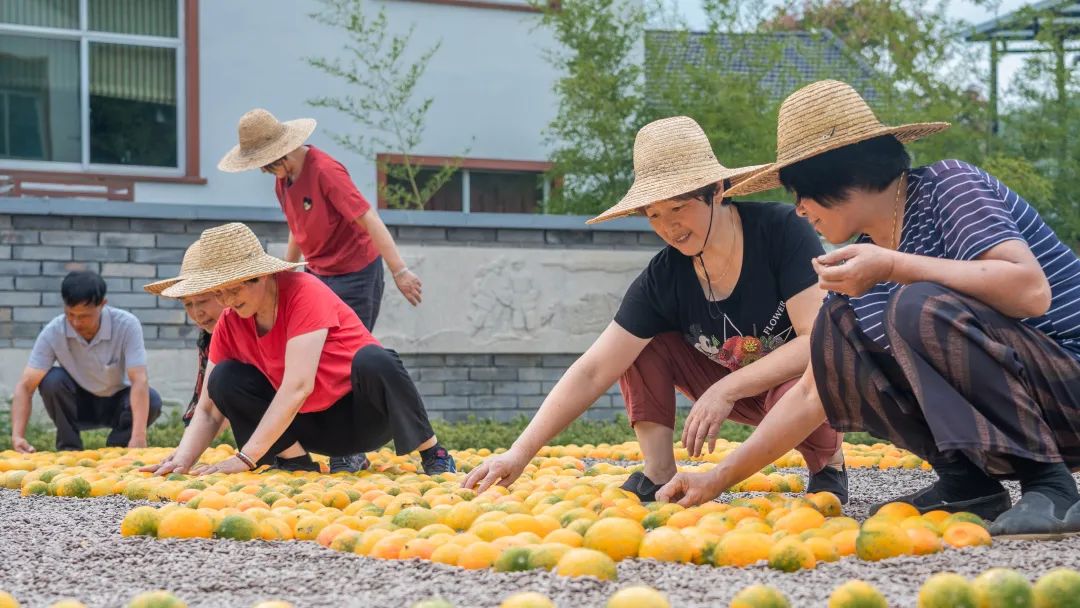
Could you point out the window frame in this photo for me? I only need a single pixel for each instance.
(465, 165)
(187, 102)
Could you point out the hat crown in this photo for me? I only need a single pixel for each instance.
(672, 146)
(231, 243)
(193, 259)
(258, 129)
(819, 113)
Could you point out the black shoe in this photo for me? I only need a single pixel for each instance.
(1031, 518)
(832, 480)
(353, 463)
(300, 463)
(641, 486)
(929, 499)
(438, 461)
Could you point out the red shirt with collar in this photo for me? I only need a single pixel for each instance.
(321, 207)
(305, 304)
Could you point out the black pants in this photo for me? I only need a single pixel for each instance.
(73, 409)
(362, 291)
(383, 405)
(959, 377)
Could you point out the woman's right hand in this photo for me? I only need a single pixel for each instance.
(174, 463)
(503, 469)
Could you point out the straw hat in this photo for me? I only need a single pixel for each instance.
(824, 116)
(264, 139)
(672, 156)
(228, 254)
(192, 262)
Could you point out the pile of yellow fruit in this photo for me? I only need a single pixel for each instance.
(561, 515)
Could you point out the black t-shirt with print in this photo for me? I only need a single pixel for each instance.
(667, 296)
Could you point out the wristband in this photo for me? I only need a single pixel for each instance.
(246, 460)
(403, 270)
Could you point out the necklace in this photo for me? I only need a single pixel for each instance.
(731, 250)
(895, 238)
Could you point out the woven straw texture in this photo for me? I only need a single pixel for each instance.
(820, 117)
(672, 156)
(264, 139)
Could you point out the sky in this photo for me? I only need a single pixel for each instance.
(692, 12)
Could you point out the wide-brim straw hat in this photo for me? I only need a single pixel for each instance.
(192, 262)
(264, 139)
(672, 157)
(820, 117)
(228, 254)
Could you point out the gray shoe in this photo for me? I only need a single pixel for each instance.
(353, 463)
(1031, 518)
(1072, 520)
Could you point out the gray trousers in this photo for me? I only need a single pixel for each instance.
(74, 409)
(361, 291)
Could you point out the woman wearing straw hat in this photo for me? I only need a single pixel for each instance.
(952, 327)
(722, 314)
(204, 310)
(293, 369)
(330, 222)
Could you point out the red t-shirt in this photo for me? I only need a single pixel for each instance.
(321, 207)
(305, 304)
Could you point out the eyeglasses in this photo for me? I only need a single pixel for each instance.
(269, 167)
(232, 292)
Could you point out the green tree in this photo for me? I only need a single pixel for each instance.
(379, 67)
(601, 100)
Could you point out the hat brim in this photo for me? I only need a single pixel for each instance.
(159, 286)
(203, 281)
(769, 178)
(644, 192)
(296, 133)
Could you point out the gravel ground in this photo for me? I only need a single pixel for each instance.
(54, 548)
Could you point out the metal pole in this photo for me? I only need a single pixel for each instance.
(994, 58)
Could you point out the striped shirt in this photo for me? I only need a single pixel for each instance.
(957, 211)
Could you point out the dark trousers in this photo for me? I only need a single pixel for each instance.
(383, 405)
(73, 409)
(361, 291)
(959, 378)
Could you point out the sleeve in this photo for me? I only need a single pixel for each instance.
(222, 346)
(642, 312)
(338, 188)
(134, 347)
(971, 215)
(799, 244)
(309, 309)
(43, 355)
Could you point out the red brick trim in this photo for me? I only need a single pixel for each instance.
(191, 80)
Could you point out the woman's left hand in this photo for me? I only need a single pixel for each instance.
(703, 424)
(855, 269)
(410, 286)
(229, 465)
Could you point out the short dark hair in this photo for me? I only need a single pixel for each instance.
(705, 193)
(82, 287)
(828, 177)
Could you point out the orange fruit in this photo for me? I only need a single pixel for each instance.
(742, 549)
(823, 549)
(140, 521)
(880, 542)
(946, 590)
(528, 599)
(346, 541)
(586, 562)
(478, 556)
(329, 533)
(965, 534)
(666, 545)
(800, 520)
(638, 597)
(185, 523)
(759, 596)
(826, 503)
(897, 510)
(857, 594)
(791, 555)
(308, 527)
(845, 542)
(924, 542)
(419, 548)
(447, 554)
(617, 537)
(490, 530)
(565, 537)
(389, 547)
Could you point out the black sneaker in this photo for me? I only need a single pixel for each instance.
(830, 479)
(928, 499)
(438, 461)
(353, 463)
(300, 463)
(641, 486)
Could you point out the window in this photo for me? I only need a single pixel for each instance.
(483, 186)
(96, 86)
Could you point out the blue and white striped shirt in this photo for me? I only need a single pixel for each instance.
(957, 211)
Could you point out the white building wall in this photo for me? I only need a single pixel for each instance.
(492, 85)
